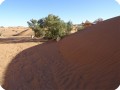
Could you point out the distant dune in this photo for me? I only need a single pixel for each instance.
(86, 60)
(15, 31)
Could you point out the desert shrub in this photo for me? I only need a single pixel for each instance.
(86, 24)
(98, 20)
(50, 27)
(80, 27)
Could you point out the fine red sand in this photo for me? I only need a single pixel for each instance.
(86, 60)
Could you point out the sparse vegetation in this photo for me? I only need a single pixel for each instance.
(84, 25)
(87, 24)
(98, 20)
(80, 27)
(50, 27)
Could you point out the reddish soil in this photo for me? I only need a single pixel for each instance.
(86, 60)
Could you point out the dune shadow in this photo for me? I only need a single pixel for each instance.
(35, 68)
(43, 67)
(20, 40)
(31, 69)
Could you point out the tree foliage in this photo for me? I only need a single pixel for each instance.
(50, 27)
(35, 26)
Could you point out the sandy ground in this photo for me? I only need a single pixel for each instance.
(15, 31)
(9, 51)
(86, 60)
(13, 40)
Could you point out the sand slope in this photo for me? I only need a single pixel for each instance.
(8, 52)
(15, 31)
(87, 60)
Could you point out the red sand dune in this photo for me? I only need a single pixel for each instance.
(86, 60)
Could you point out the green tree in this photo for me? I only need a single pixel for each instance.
(34, 25)
(50, 27)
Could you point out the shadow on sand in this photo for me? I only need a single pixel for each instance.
(33, 69)
(20, 40)
(43, 68)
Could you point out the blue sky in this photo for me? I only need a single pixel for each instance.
(18, 12)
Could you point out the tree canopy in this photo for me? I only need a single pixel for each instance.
(50, 27)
